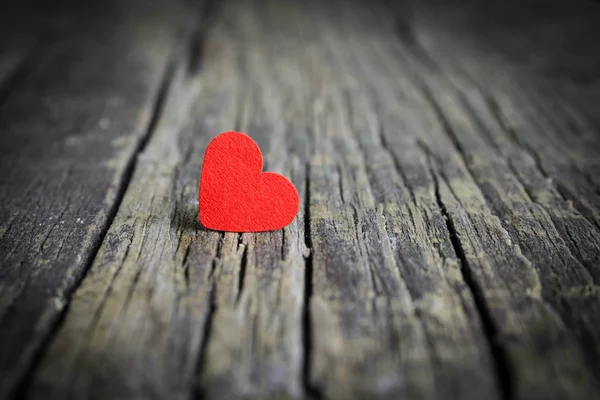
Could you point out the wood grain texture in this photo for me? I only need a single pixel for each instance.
(69, 131)
(128, 285)
(448, 240)
(538, 72)
(541, 179)
(216, 284)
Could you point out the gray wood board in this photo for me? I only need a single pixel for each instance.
(447, 244)
(70, 126)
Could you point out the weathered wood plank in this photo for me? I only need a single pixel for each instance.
(470, 216)
(540, 161)
(540, 96)
(228, 305)
(255, 349)
(229, 364)
(432, 257)
(567, 244)
(569, 168)
(144, 271)
(69, 131)
(533, 226)
(445, 323)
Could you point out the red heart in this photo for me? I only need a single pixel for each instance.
(235, 195)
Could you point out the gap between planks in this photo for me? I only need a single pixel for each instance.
(122, 188)
(194, 57)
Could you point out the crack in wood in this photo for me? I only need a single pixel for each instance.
(164, 85)
(452, 134)
(362, 251)
(340, 182)
(283, 244)
(530, 197)
(434, 224)
(573, 249)
(216, 256)
(574, 244)
(198, 391)
(98, 312)
(186, 267)
(501, 362)
(502, 121)
(243, 265)
(307, 332)
(386, 147)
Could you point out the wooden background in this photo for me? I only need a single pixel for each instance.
(448, 160)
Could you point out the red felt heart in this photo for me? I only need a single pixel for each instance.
(235, 195)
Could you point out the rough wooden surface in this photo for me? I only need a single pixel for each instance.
(71, 124)
(448, 241)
